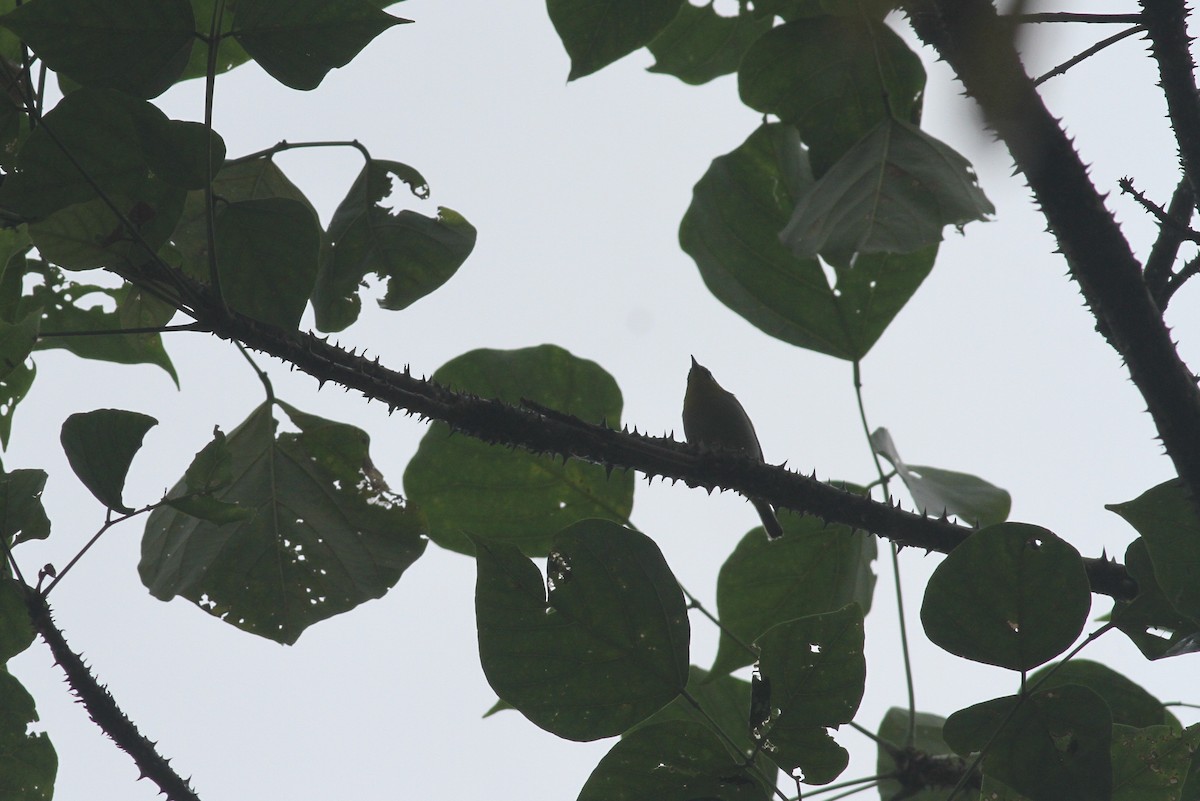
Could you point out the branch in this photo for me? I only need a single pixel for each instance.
(1166, 28)
(102, 708)
(545, 431)
(979, 48)
(1079, 58)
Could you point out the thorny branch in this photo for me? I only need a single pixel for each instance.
(979, 48)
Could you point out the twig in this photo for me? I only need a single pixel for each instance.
(1068, 16)
(1062, 68)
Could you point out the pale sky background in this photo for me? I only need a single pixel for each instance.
(577, 191)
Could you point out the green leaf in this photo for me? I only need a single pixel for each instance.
(672, 761)
(605, 648)
(928, 743)
(731, 230)
(597, 34)
(28, 763)
(815, 568)
(267, 258)
(257, 179)
(1052, 746)
(118, 141)
(230, 55)
(299, 41)
(13, 389)
(936, 491)
(22, 516)
(811, 674)
(700, 44)
(67, 306)
(1128, 702)
(17, 341)
(834, 78)
(415, 253)
(138, 47)
(1012, 595)
(465, 486)
(90, 234)
(1167, 522)
(16, 632)
(324, 536)
(100, 446)
(1149, 620)
(1151, 763)
(211, 470)
(892, 192)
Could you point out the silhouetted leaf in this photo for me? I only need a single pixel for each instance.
(811, 674)
(100, 446)
(468, 487)
(1166, 519)
(731, 230)
(700, 44)
(597, 34)
(299, 41)
(1012, 595)
(324, 537)
(937, 492)
(139, 47)
(415, 253)
(672, 761)
(29, 761)
(814, 568)
(605, 648)
(892, 192)
(1053, 746)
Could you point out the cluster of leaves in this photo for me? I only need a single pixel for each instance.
(597, 645)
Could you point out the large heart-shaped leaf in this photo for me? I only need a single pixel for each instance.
(603, 649)
(468, 487)
(325, 534)
(731, 230)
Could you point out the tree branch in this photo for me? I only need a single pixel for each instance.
(1166, 28)
(545, 431)
(979, 48)
(102, 708)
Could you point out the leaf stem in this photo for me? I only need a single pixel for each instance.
(285, 145)
(1062, 68)
(910, 736)
(109, 522)
(210, 217)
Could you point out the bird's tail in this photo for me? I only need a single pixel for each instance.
(769, 520)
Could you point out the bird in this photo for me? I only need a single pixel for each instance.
(713, 419)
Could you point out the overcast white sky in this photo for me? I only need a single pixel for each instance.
(577, 192)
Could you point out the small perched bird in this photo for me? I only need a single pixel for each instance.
(713, 418)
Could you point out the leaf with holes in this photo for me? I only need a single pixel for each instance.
(1054, 745)
(604, 648)
(415, 253)
(815, 568)
(811, 675)
(1011, 595)
(700, 44)
(325, 534)
(1150, 621)
(69, 306)
(22, 516)
(468, 487)
(30, 762)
